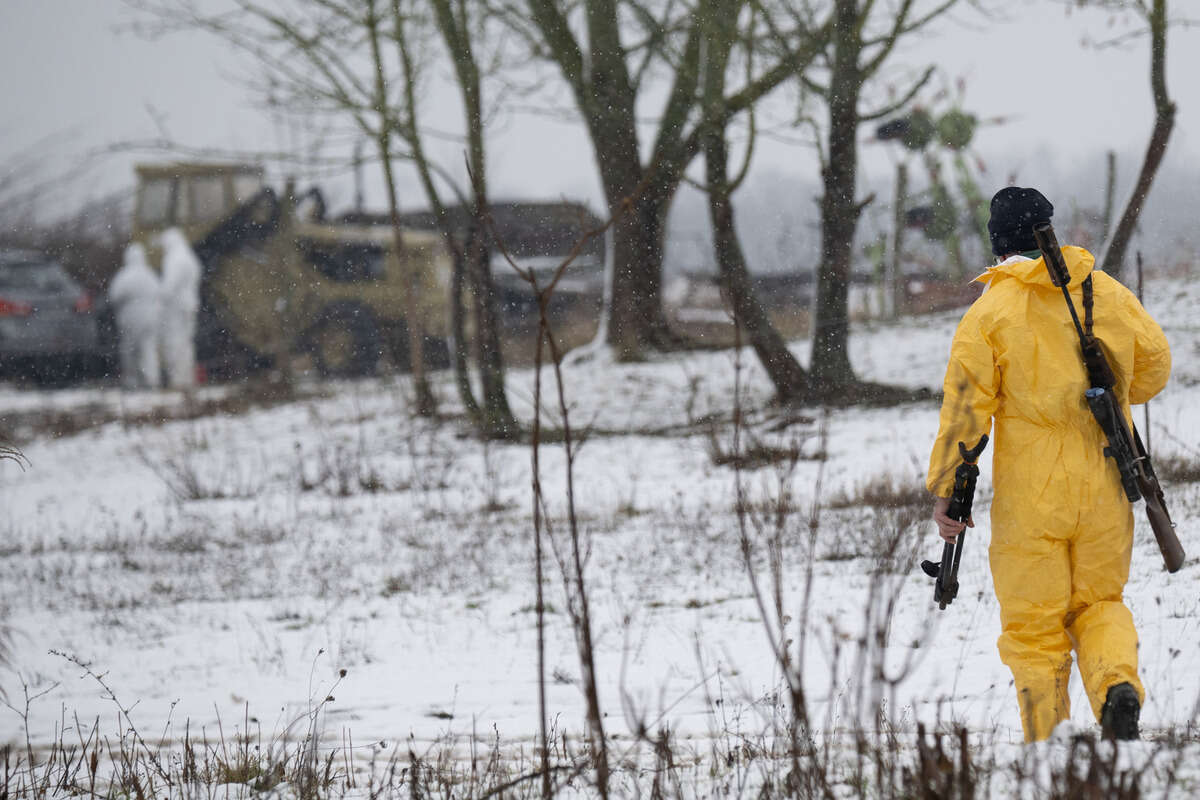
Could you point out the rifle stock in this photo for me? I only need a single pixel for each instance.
(1156, 509)
(1164, 529)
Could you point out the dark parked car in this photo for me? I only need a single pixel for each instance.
(49, 328)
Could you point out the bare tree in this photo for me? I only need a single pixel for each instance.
(379, 97)
(460, 22)
(720, 19)
(608, 71)
(410, 128)
(1154, 13)
(865, 34)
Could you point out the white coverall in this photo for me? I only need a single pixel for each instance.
(136, 296)
(181, 302)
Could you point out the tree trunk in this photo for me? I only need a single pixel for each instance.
(893, 296)
(829, 368)
(458, 320)
(638, 197)
(426, 405)
(1110, 193)
(496, 420)
(636, 320)
(788, 377)
(608, 99)
(785, 372)
(639, 204)
(458, 280)
(1113, 261)
(409, 131)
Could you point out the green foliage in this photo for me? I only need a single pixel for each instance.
(920, 131)
(950, 209)
(956, 129)
(944, 223)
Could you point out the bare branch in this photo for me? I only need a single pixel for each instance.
(900, 28)
(904, 100)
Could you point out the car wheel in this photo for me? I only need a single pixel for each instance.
(54, 372)
(435, 348)
(345, 341)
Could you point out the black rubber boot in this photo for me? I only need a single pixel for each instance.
(1119, 716)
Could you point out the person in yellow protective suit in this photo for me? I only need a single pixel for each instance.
(1062, 527)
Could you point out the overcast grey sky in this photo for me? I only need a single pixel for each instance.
(73, 71)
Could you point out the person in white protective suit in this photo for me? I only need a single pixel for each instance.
(181, 302)
(135, 293)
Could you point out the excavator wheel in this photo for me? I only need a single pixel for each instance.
(435, 348)
(345, 341)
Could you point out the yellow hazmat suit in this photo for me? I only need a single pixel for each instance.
(1062, 528)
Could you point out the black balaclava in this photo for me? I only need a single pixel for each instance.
(1015, 210)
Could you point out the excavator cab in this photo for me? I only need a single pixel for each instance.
(194, 197)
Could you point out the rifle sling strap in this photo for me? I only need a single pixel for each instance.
(1087, 306)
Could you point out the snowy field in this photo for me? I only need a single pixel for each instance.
(220, 571)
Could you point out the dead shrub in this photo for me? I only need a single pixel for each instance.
(1179, 468)
(884, 492)
(196, 470)
(750, 451)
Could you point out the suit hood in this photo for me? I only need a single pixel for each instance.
(1080, 264)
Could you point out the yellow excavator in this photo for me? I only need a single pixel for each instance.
(280, 280)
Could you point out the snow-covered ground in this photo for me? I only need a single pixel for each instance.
(231, 565)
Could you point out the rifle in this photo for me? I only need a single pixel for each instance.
(945, 587)
(1145, 405)
(1124, 444)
